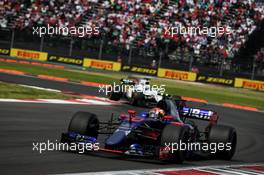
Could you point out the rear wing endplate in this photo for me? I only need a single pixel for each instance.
(197, 113)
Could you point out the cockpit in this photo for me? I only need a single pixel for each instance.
(169, 107)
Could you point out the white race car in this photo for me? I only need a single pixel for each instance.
(137, 91)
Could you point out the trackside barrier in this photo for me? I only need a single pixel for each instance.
(102, 64)
(177, 75)
(4, 51)
(249, 84)
(215, 80)
(65, 60)
(140, 70)
(29, 54)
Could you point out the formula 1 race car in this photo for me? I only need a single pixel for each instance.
(155, 134)
(138, 91)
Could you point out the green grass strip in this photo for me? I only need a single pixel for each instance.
(13, 91)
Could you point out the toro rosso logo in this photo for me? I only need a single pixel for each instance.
(197, 113)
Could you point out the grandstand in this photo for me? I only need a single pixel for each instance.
(134, 31)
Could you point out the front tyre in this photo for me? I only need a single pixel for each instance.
(84, 123)
(174, 134)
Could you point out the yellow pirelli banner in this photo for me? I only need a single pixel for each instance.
(29, 54)
(176, 74)
(249, 84)
(102, 64)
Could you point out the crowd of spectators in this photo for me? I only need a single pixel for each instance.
(8, 10)
(63, 13)
(143, 22)
(123, 21)
(241, 16)
(28, 13)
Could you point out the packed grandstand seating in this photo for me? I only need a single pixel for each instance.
(142, 22)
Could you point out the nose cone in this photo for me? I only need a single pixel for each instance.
(116, 138)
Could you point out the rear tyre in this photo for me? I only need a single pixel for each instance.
(224, 135)
(174, 134)
(84, 123)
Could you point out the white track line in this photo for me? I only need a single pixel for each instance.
(39, 88)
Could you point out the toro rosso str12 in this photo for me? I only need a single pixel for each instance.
(150, 134)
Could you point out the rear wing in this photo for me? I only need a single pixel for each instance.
(132, 80)
(201, 114)
(127, 81)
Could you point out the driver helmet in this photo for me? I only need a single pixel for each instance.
(156, 113)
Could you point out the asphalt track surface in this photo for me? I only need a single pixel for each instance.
(21, 124)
